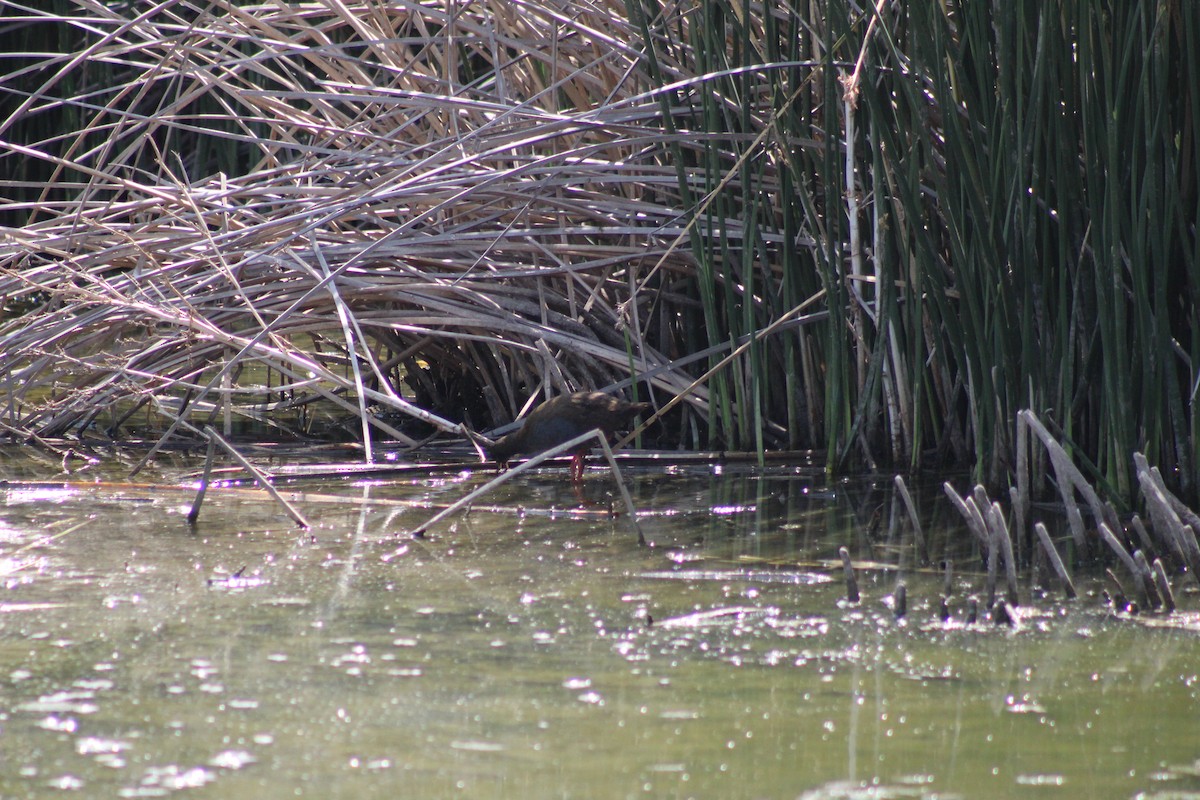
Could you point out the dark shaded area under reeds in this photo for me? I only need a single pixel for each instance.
(881, 234)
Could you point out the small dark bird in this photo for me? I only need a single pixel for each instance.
(561, 419)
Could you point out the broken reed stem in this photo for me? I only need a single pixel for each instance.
(1069, 480)
(1160, 519)
(1146, 576)
(1056, 563)
(259, 476)
(852, 595)
(900, 600)
(1120, 597)
(980, 506)
(1010, 565)
(1018, 529)
(1068, 474)
(194, 513)
(1020, 494)
(970, 514)
(1143, 535)
(993, 566)
(1075, 522)
(1164, 585)
(1114, 544)
(1167, 523)
(918, 534)
(1179, 522)
(1187, 515)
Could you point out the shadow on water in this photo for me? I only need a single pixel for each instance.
(531, 648)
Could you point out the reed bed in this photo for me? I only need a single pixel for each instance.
(881, 231)
(1144, 565)
(1148, 557)
(408, 243)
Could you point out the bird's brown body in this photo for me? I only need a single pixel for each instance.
(561, 419)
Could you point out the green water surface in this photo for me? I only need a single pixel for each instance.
(532, 649)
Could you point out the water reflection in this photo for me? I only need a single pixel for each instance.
(532, 648)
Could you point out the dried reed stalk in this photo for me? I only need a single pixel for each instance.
(399, 228)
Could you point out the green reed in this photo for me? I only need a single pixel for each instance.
(1030, 172)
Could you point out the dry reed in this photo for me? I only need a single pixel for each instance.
(410, 248)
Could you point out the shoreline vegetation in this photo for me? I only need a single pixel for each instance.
(882, 233)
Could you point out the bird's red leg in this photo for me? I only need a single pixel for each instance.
(577, 477)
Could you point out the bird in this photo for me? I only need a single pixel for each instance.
(561, 419)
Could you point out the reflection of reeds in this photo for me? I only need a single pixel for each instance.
(406, 213)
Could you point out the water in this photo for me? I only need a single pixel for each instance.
(533, 649)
